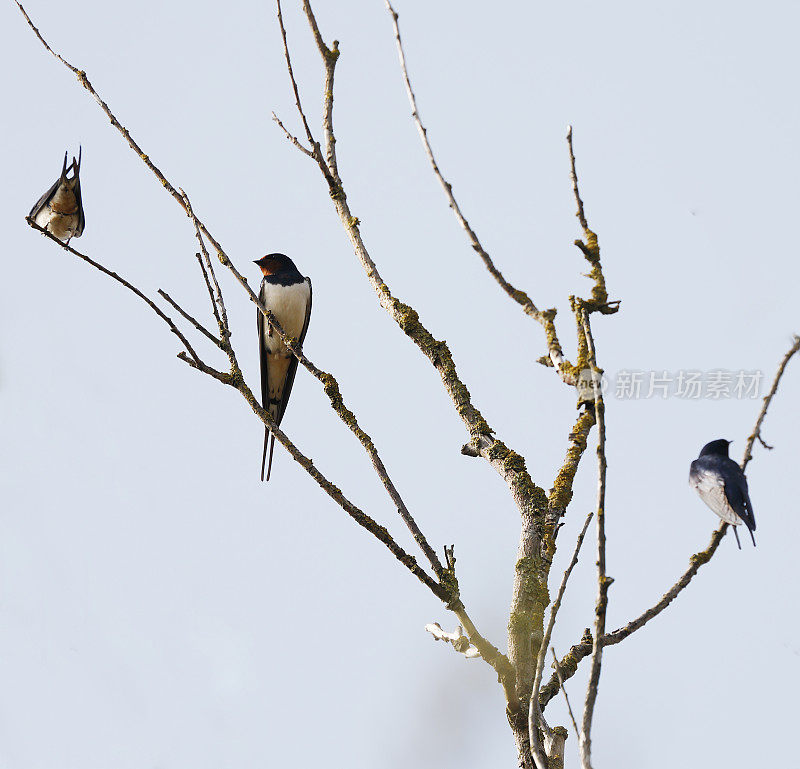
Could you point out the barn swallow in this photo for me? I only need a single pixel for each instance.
(287, 294)
(721, 484)
(60, 210)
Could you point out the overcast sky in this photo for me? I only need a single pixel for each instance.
(163, 609)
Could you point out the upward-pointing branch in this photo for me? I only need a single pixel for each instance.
(545, 317)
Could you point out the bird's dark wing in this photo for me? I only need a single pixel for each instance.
(262, 348)
(264, 361)
(77, 189)
(292, 370)
(44, 200)
(81, 218)
(739, 497)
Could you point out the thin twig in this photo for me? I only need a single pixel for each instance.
(603, 580)
(569, 666)
(534, 712)
(196, 323)
(695, 562)
(358, 515)
(210, 290)
(329, 56)
(590, 248)
(291, 77)
(84, 81)
(218, 302)
(756, 434)
(149, 302)
(518, 296)
(581, 214)
(564, 691)
(545, 317)
(316, 152)
(292, 138)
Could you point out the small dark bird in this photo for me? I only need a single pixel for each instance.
(721, 484)
(60, 210)
(287, 294)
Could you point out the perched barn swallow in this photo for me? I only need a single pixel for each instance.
(721, 484)
(60, 210)
(287, 294)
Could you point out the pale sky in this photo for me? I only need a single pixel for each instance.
(160, 608)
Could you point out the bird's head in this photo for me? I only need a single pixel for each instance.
(274, 263)
(718, 447)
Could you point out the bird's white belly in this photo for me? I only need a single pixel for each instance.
(288, 304)
(62, 226)
(712, 492)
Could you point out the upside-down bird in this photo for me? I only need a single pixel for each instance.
(722, 485)
(60, 209)
(287, 294)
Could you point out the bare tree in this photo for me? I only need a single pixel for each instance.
(520, 669)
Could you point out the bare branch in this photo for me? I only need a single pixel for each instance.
(217, 300)
(312, 22)
(329, 56)
(84, 81)
(288, 58)
(563, 690)
(756, 434)
(603, 581)
(210, 290)
(518, 296)
(199, 326)
(149, 302)
(534, 713)
(695, 561)
(561, 494)
(569, 666)
(292, 138)
(546, 317)
(358, 515)
(316, 152)
(220, 376)
(457, 639)
(490, 653)
(574, 176)
(589, 248)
